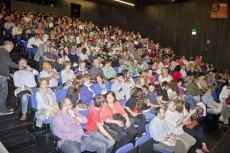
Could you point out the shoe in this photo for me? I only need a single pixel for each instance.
(23, 117)
(205, 150)
(6, 113)
(10, 109)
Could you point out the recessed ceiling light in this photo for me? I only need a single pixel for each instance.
(124, 2)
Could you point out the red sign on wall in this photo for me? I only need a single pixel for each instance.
(219, 10)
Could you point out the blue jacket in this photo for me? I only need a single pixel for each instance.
(86, 95)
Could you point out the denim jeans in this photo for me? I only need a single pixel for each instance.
(3, 93)
(71, 147)
(99, 137)
(148, 115)
(91, 144)
(190, 100)
(25, 100)
(29, 50)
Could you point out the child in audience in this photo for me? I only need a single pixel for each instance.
(86, 93)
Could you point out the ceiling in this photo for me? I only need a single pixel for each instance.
(137, 3)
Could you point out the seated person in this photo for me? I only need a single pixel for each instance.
(162, 94)
(172, 90)
(120, 91)
(46, 103)
(128, 80)
(143, 80)
(193, 130)
(66, 125)
(174, 120)
(161, 133)
(95, 125)
(73, 57)
(150, 75)
(50, 74)
(95, 69)
(51, 56)
(81, 70)
(151, 97)
(210, 103)
(225, 92)
(67, 75)
(108, 71)
(62, 56)
(124, 129)
(86, 93)
(24, 80)
(104, 87)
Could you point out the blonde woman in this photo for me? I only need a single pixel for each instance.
(164, 76)
(143, 79)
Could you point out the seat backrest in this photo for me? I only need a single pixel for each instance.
(108, 85)
(147, 128)
(59, 79)
(145, 144)
(135, 79)
(25, 44)
(214, 95)
(60, 94)
(134, 150)
(125, 148)
(122, 102)
(84, 112)
(142, 139)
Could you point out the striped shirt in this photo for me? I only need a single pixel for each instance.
(158, 129)
(64, 126)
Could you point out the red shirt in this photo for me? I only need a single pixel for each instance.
(94, 117)
(176, 75)
(106, 111)
(153, 55)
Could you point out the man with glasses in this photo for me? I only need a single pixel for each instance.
(5, 62)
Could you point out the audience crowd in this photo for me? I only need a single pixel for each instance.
(138, 81)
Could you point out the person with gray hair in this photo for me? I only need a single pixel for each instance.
(5, 62)
(175, 122)
(96, 69)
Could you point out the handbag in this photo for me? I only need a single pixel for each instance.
(192, 124)
(227, 100)
(116, 116)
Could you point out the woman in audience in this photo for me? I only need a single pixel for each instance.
(67, 75)
(143, 79)
(172, 90)
(193, 130)
(176, 73)
(46, 103)
(62, 56)
(104, 88)
(73, 93)
(137, 67)
(108, 71)
(86, 93)
(164, 76)
(119, 124)
(127, 81)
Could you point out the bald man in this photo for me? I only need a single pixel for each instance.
(50, 74)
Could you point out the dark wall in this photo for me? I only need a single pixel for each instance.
(169, 24)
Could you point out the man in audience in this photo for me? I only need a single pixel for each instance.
(120, 91)
(82, 70)
(24, 80)
(210, 103)
(161, 133)
(44, 47)
(108, 71)
(50, 74)
(175, 123)
(95, 69)
(32, 42)
(162, 94)
(152, 97)
(73, 57)
(51, 56)
(66, 125)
